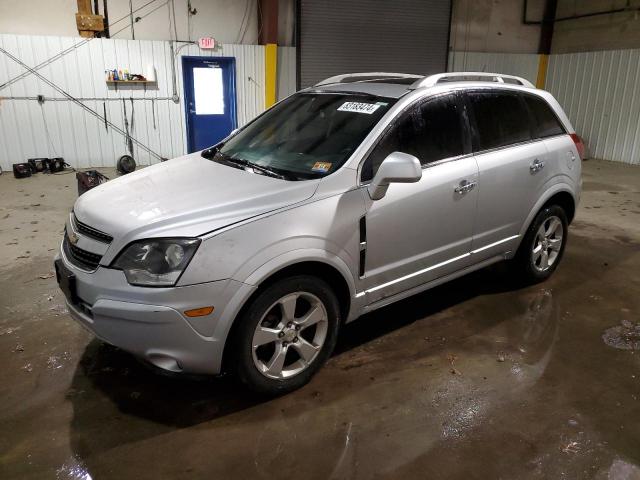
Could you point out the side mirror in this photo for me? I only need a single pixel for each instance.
(398, 167)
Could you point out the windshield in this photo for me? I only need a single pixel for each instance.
(308, 135)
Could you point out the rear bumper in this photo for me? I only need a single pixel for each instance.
(149, 322)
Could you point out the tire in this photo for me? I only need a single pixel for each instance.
(292, 352)
(547, 233)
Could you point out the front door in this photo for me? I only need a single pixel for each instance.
(421, 231)
(210, 100)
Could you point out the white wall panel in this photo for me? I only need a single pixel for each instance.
(80, 137)
(600, 92)
(286, 72)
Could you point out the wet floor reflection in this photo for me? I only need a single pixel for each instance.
(402, 399)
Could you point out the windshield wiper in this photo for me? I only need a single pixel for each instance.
(259, 168)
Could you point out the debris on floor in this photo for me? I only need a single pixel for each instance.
(9, 331)
(571, 447)
(501, 356)
(625, 336)
(452, 360)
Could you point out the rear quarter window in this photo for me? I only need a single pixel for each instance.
(546, 121)
(501, 119)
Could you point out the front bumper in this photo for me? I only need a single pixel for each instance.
(149, 322)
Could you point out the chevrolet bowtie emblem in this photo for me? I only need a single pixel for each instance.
(73, 238)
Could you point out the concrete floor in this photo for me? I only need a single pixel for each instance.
(475, 379)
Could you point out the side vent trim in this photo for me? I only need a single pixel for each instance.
(363, 245)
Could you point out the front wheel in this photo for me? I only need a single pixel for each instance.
(543, 245)
(286, 334)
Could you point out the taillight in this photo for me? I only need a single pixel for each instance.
(579, 144)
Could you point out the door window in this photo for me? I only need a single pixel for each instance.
(430, 131)
(501, 119)
(546, 122)
(208, 91)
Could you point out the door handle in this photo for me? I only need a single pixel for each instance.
(536, 166)
(464, 187)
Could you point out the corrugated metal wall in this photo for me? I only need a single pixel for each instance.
(521, 64)
(59, 127)
(600, 91)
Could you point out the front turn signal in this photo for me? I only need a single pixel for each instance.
(199, 312)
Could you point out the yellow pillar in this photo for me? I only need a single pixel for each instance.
(543, 61)
(270, 73)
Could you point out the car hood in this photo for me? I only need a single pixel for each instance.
(186, 196)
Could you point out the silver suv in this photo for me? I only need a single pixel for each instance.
(345, 197)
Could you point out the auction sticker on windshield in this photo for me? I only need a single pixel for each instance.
(358, 107)
(322, 167)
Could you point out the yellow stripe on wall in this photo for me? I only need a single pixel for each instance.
(543, 61)
(270, 66)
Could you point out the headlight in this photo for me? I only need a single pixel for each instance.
(156, 262)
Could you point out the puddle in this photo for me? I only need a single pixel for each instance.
(73, 469)
(625, 336)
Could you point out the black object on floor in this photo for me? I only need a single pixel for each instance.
(21, 170)
(56, 164)
(89, 179)
(38, 164)
(126, 164)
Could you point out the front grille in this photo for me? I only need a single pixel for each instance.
(79, 257)
(91, 232)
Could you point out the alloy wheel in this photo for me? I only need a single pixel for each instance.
(290, 335)
(547, 244)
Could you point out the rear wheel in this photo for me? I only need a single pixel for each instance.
(543, 245)
(285, 335)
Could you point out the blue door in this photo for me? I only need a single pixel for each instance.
(210, 99)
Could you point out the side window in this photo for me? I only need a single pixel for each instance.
(547, 123)
(441, 130)
(400, 137)
(501, 119)
(430, 131)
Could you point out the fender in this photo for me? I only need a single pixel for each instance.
(251, 283)
(299, 256)
(544, 198)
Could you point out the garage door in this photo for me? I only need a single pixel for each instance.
(345, 36)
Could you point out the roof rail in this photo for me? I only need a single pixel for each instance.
(432, 80)
(364, 76)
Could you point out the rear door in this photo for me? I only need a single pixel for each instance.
(511, 164)
(562, 156)
(421, 231)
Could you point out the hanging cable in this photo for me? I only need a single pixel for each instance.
(79, 103)
(46, 130)
(133, 32)
(244, 16)
(175, 27)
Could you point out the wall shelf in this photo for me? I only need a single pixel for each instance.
(131, 82)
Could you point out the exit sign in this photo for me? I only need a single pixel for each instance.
(207, 43)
